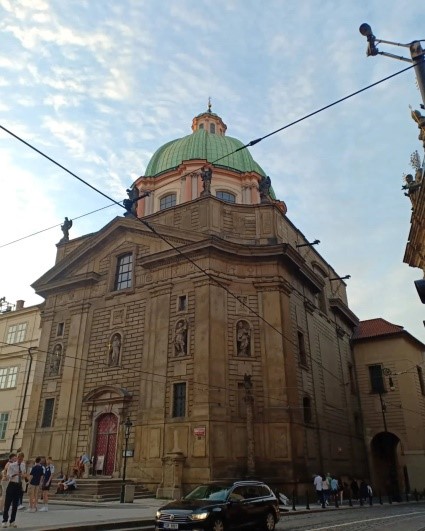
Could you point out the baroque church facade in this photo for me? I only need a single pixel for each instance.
(210, 322)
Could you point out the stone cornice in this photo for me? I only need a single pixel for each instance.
(60, 284)
(280, 284)
(344, 312)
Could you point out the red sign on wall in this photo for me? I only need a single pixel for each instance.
(200, 431)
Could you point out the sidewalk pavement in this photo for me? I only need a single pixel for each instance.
(89, 516)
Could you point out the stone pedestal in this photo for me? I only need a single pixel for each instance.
(172, 472)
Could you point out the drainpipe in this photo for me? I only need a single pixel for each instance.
(21, 416)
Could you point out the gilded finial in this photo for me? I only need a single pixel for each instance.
(209, 104)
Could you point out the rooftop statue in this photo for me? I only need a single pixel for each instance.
(67, 224)
(264, 188)
(206, 176)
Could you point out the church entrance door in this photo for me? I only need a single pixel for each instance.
(106, 443)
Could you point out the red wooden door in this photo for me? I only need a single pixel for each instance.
(106, 441)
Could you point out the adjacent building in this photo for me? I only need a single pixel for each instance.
(390, 366)
(19, 339)
(210, 322)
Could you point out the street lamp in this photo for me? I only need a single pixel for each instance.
(127, 429)
(417, 54)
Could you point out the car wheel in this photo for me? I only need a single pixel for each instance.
(269, 522)
(217, 525)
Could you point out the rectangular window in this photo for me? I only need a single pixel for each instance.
(302, 354)
(421, 379)
(124, 273)
(182, 304)
(47, 419)
(16, 333)
(179, 400)
(376, 379)
(4, 419)
(8, 377)
(60, 329)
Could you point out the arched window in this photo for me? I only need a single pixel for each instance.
(226, 196)
(212, 128)
(167, 201)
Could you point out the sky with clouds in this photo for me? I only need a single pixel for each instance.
(99, 85)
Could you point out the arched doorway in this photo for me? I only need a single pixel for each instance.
(385, 446)
(106, 443)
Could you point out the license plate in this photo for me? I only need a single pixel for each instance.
(168, 525)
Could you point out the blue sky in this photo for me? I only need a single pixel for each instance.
(99, 85)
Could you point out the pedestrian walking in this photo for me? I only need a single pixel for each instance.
(4, 483)
(363, 495)
(16, 472)
(354, 489)
(370, 494)
(36, 476)
(335, 489)
(47, 481)
(326, 490)
(318, 485)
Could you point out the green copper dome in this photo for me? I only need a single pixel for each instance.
(205, 146)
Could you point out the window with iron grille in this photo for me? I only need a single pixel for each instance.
(16, 333)
(4, 419)
(179, 399)
(47, 419)
(167, 201)
(124, 273)
(8, 377)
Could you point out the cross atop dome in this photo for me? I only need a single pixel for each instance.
(209, 121)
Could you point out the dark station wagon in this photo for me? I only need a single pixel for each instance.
(222, 506)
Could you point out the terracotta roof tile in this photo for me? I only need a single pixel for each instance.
(376, 327)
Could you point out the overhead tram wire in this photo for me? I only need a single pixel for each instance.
(54, 226)
(245, 146)
(200, 385)
(249, 144)
(309, 115)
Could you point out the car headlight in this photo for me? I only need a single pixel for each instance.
(200, 516)
(158, 514)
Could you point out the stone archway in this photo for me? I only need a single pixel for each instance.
(386, 468)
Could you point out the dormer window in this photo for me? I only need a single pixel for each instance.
(201, 126)
(212, 128)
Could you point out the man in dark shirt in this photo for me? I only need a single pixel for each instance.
(36, 475)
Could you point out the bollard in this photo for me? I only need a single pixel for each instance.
(361, 501)
(415, 494)
(293, 501)
(407, 495)
(350, 501)
(390, 500)
(336, 500)
(371, 500)
(307, 505)
(380, 499)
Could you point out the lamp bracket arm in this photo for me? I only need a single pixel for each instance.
(394, 56)
(378, 41)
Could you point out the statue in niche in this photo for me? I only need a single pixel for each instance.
(243, 338)
(55, 360)
(206, 176)
(264, 188)
(180, 338)
(114, 350)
